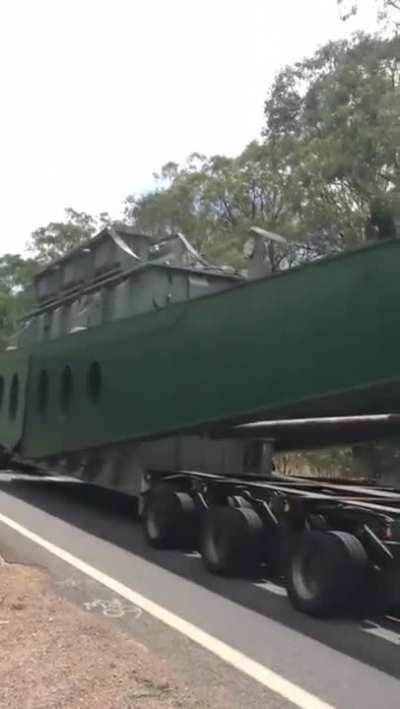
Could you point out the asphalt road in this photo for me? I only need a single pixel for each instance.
(347, 663)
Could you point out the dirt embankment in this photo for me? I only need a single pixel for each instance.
(54, 655)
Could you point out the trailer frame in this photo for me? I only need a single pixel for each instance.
(335, 546)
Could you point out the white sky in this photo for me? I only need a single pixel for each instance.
(97, 94)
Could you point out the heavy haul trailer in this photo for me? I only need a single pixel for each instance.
(142, 362)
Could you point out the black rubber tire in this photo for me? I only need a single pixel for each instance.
(172, 519)
(239, 501)
(326, 572)
(232, 540)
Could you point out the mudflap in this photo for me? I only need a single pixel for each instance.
(382, 593)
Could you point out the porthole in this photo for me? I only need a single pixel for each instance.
(94, 381)
(43, 392)
(1, 392)
(66, 388)
(14, 397)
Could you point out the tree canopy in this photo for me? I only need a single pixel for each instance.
(325, 173)
(15, 273)
(57, 238)
(335, 115)
(16, 295)
(388, 11)
(215, 200)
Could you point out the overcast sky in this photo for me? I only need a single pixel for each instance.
(97, 94)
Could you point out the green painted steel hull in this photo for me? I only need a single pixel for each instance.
(319, 339)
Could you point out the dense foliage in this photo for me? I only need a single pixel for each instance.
(57, 238)
(388, 11)
(325, 173)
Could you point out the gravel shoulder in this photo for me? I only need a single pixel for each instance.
(55, 654)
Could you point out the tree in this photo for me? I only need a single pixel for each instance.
(16, 273)
(338, 113)
(16, 295)
(326, 173)
(215, 200)
(387, 10)
(57, 238)
(12, 308)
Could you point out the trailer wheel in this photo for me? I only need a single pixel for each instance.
(171, 519)
(232, 540)
(238, 501)
(326, 571)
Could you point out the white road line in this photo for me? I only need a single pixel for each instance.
(275, 682)
(272, 588)
(381, 632)
(393, 618)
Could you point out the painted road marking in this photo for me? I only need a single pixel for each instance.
(272, 588)
(393, 618)
(275, 682)
(114, 608)
(381, 632)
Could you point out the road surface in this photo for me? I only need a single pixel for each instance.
(94, 550)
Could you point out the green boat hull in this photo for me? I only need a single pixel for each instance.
(320, 339)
